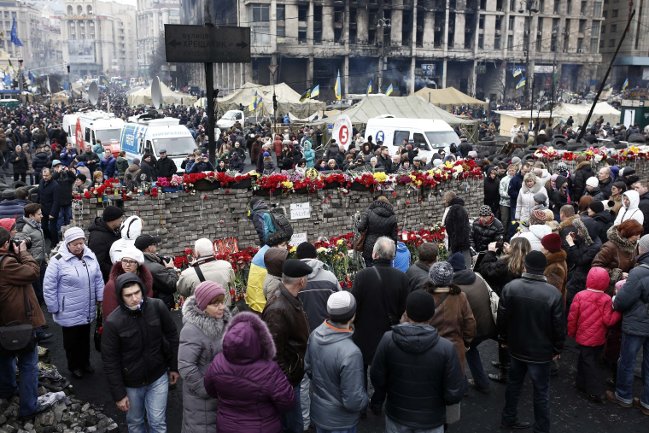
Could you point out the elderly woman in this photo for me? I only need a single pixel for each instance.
(130, 260)
(205, 317)
(72, 287)
(525, 202)
(378, 220)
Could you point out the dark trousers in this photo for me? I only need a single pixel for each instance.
(38, 284)
(540, 377)
(50, 230)
(590, 378)
(76, 341)
(20, 176)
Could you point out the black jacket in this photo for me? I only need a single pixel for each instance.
(48, 197)
(137, 347)
(531, 319)
(40, 161)
(495, 271)
(492, 192)
(582, 173)
(417, 275)
(166, 167)
(164, 279)
(644, 207)
(379, 220)
(19, 162)
(483, 235)
(603, 221)
(420, 372)
(100, 239)
(580, 256)
(149, 171)
(66, 182)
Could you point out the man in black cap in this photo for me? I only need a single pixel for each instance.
(288, 325)
(531, 322)
(102, 233)
(164, 273)
(418, 371)
(166, 166)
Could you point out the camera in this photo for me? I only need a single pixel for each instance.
(499, 245)
(16, 242)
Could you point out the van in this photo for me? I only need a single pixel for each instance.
(230, 118)
(87, 127)
(149, 134)
(427, 135)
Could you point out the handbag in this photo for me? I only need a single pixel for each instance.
(17, 337)
(99, 329)
(494, 299)
(359, 244)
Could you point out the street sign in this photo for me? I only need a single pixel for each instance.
(205, 44)
(342, 131)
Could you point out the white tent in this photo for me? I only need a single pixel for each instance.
(580, 111)
(143, 97)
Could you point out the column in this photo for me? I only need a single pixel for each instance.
(472, 78)
(345, 75)
(273, 26)
(413, 49)
(309, 26)
(309, 72)
(396, 21)
(444, 69)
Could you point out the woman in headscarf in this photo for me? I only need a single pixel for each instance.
(629, 209)
(379, 220)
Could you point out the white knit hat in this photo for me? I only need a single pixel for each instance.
(341, 306)
(72, 234)
(592, 181)
(131, 253)
(203, 247)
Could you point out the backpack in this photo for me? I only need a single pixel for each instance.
(281, 223)
(494, 299)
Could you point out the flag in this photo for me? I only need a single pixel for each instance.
(369, 87)
(14, 34)
(256, 102)
(521, 83)
(31, 76)
(10, 64)
(337, 88)
(306, 95)
(517, 72)
(7, 80)
(389, 90)
(625, 84)
(316, 91)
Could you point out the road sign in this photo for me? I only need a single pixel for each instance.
(205, 44)
(342, 131)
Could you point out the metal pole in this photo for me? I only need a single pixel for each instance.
(530, 90)
(209, 85)
(608, 71)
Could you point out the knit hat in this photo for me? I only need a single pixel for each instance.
(111, 213)
(266, 154)
(516, 160)
(205, 292)
(131, 253)
(597, 279)
(203, 247)
(485, 210)
(144, 241)
(72, 234)
(341, 306)
(596, 206)
(592, 181)
(441, 274)
(537, 216)
(535, 262)
(472, 154)
(539, 198)
(420, 305)
(56, 162)
(7, 223)
(643, 244)
(306, 250)
(457, 262)
(552, 242)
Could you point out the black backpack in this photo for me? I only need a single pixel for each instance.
(282, 224)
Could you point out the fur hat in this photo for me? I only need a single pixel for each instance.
(441, 274)
(131, 253)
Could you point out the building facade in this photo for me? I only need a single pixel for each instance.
(152, 15)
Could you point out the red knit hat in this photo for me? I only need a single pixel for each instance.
(597, 279)
(552, 242)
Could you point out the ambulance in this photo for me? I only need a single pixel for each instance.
(88, 127)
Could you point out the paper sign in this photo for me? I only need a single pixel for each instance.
(300, 211)
(297, 239)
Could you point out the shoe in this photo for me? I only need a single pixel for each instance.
(77, 373)
(483, 390)
(498, 377)
(39, 409)
(88, 369)
(636, 403)
(43, 336)
(518, 425)
(610, 396)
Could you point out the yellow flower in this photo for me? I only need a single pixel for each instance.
(449, 164)
(339, 242)
(380, 177)
(321, 250)
(287, 184)
(293, 249)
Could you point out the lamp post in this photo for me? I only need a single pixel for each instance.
(273, 71)
(530, 7)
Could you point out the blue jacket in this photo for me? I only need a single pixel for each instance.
(402, 257)
(67, 157)
(108, 166)
(633, 299)
(12, 208)
(72, 287)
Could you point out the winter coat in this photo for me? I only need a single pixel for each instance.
(492, 192)
(48, 197)
(421, 374)
(531, 319)
(251, 389)
(40, 161)
(110, 299)
(34, 231)
(72, 286)
(108, 166)
(525, 201)
(201, 338)
(591, 313)
(274, 260)
(453, 319)
(67, 156)
(474, 286)
(603, 221)
(137, 346)
(19, 162)
(166, 167)
(582, 172)
(482, 235)
(164, 279)
(556, 271)
(121, 165)
(309, 155)
(503, 187)
(417, 275)
(219, 271)
(534, 234)
(18, 273)
(496, 271)
(633, 300)
(12, 208)
(514, 188)
(335, 365)
(65, 180)
(149, 172)
(617, 256)
(320, 284)
(132, 176)
(643, 205)
(287, 323)
(376, 289)
(129, 230)
(580, 257)
(632, 212)
(379, 220)
(262, 221)
(100, 239)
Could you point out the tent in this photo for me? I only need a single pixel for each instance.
(509, 118)
(449, 96)
(411, 106)
(288, 101)
(143, 97)
(580, 111)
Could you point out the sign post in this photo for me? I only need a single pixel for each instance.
(208, 45)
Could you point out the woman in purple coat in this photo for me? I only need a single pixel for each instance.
(251, 389)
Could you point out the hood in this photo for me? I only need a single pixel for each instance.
(247, 339)
(464, 277)
(540, 230)
(634, 199)
(597, 279)
(307, 145)
(414, 338)
(142, 272)
(132, 168)
(324, 334)
(585, 166)
(316, 265)
(209, 325)
(131, 228)
(619, 241)
(124, 280)
(274, 260)
(382, 208)
(259, 205)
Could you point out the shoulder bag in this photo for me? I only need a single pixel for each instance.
(391, 319)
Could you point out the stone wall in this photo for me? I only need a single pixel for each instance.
(181, 218)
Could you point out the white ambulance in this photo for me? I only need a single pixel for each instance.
(87, 127)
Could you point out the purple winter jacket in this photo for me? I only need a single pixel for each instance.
(251, 389)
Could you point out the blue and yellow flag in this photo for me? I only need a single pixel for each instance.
(521, 83)
(256, 103)
(14, 34)
(316, 91)
(306, 95)
(369, 87)
(625, 84)
(338, 88)
(389, 90)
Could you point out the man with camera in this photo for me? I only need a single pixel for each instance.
(162, 268)
(19, 306)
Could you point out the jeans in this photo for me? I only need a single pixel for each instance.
(347, 430)
(392, 426)
(149, 400)
(28, 385)
(305, 401)
(631, 344)
(540, 377)
(475, 365)
(65, 216)
(292, 420)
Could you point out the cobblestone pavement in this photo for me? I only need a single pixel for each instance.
(480, 413)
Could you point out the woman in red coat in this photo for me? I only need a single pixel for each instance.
(132, 260)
